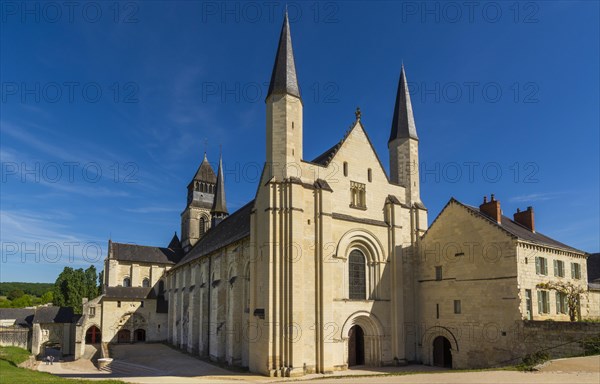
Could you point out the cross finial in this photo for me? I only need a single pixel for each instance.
(357, 113)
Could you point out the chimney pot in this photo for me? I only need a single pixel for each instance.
(484, 199)
(491, 209)
(525, 218)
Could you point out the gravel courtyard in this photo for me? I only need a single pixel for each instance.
(157, 363)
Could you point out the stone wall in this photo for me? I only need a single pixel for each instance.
(15, 337)
(557, 339)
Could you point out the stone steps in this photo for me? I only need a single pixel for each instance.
(121, 368)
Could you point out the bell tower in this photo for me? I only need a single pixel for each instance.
(196, 218)
(284, 112)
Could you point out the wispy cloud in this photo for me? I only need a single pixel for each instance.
(151, 209)
(536, 197)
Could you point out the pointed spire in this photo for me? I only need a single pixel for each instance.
(403, 123)
(219, 205)
(205, 172)
(283, 78)
(175, 243)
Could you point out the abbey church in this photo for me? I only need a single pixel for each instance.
(323, 271)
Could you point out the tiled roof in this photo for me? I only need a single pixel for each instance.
(235, 227)
(143, 253)
(520, 231)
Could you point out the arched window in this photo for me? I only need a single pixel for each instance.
(202, 226)
(127, 282)
(146, 283)
(356, 275)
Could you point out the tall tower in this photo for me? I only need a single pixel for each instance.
(196, 218)
(219, 207)
(404, 144)
(284, 112)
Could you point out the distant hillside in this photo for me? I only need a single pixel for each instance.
(35, 289)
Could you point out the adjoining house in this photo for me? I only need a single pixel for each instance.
(44, 330)
(477, 284)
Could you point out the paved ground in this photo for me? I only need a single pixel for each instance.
(157, 363)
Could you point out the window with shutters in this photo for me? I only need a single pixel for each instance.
(575, 271)
(561, 303)
(543, 302)
(541, 266)
(559, 268)
(357, 277)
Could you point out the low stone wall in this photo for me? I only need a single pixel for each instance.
(14, 337)
(556, 339)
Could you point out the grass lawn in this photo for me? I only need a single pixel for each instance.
(10, 373)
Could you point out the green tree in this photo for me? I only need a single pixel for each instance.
(23, 301)
(15, 294)
(573, 293)
(47, 297)
(72, 285)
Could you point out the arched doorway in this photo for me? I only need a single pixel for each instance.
(52, 349)
(124, 336)
(442, 356)
(139, 335)
(356, 346)
(93, 335)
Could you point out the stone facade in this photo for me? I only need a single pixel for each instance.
(332, 264)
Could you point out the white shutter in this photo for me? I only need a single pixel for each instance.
(537, 265)
(539, 298)
(555, 262)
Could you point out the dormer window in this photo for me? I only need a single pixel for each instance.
(127, 282)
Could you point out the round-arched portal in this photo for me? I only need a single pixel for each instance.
(442, 355)
(356, 346)
(124, 336)
(93, 335)
(364, 337)
(139, 335)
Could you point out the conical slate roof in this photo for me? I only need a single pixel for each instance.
(205, 172)
(283, 78)
(220, 205)
(175, 243)
(403, 122)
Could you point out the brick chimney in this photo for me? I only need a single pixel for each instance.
(525, 218)
(491, 208)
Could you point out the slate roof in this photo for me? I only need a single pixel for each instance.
(593, 267)
(325, 158)
(514, 229)
(22, 316)
(403, 122)
(129, 293)
(219, 204)
(53, 314)
(283, 77)
(205, 172)
(143, 253)
(235, 227)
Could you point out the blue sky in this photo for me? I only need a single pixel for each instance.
(107, 108)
